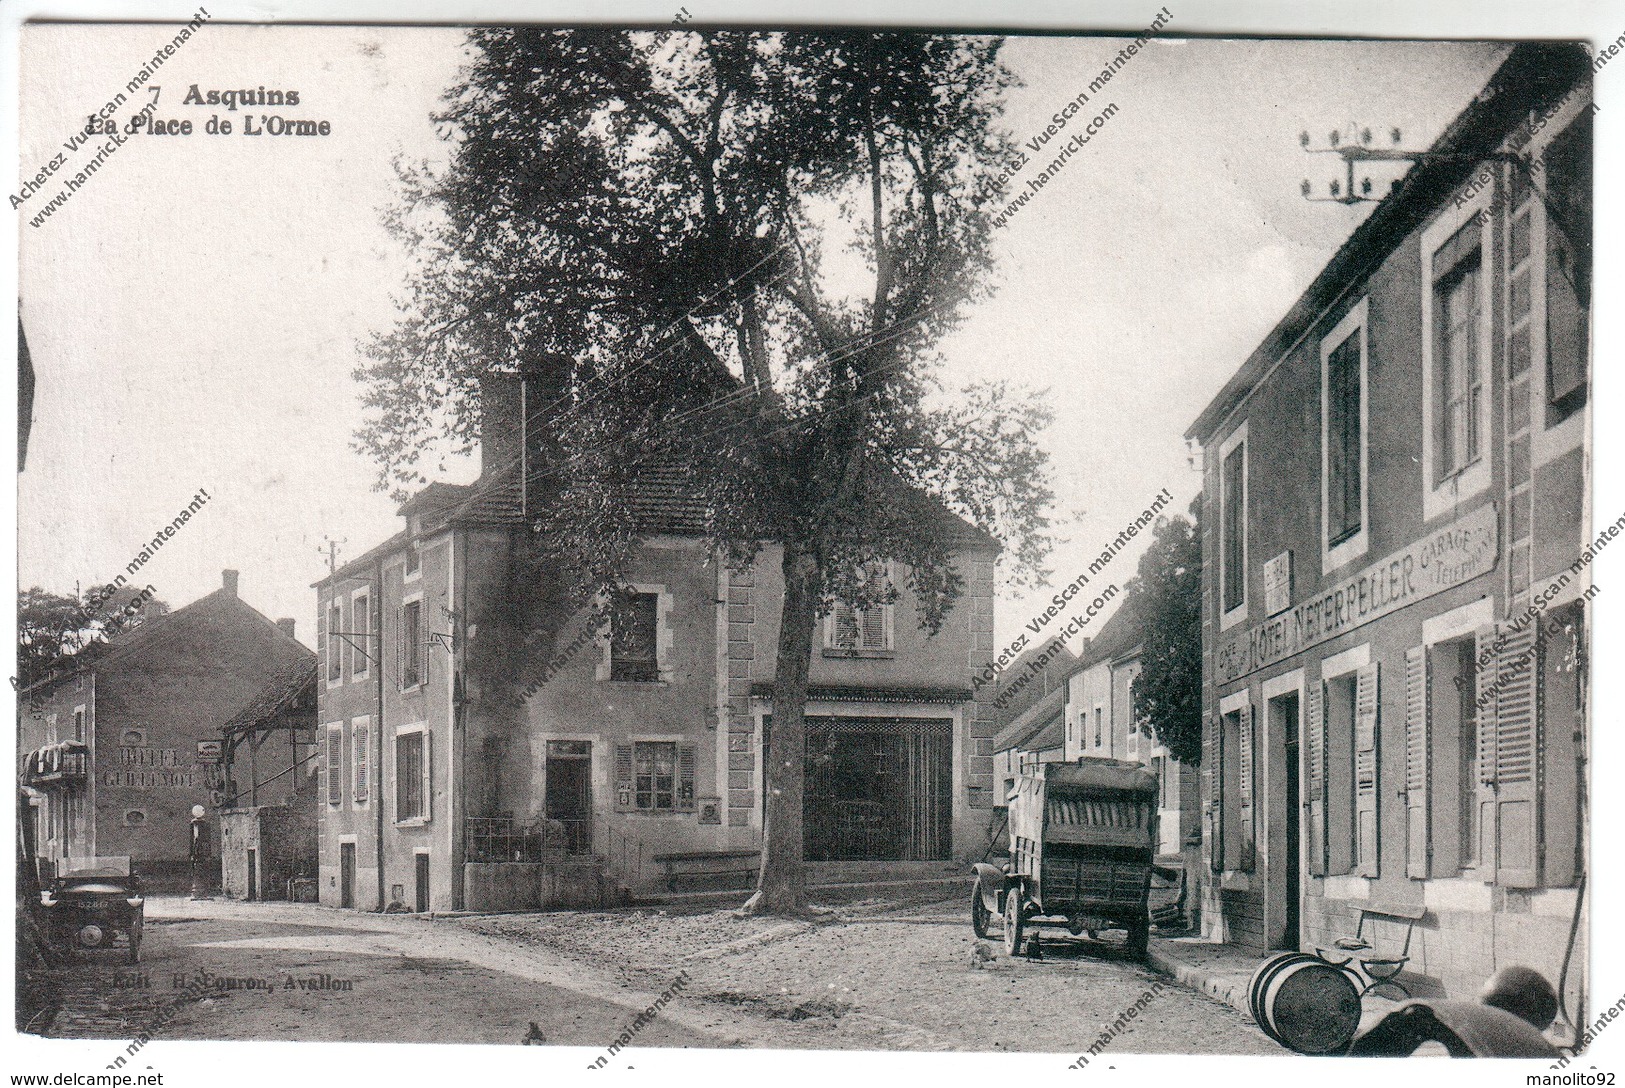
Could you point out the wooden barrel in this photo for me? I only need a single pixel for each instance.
(1261, 978)
(1311, 1007)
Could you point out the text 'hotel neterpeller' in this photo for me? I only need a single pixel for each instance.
(1396, 552)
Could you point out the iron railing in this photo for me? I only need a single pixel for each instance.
(503, 838)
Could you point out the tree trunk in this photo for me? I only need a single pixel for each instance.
(782, 883)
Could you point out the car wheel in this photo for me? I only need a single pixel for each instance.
(1014, 918)
(979, 914)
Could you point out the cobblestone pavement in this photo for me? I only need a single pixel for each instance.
(892, 975)
(880, 974)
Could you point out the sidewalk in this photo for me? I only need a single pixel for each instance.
(1224, 971)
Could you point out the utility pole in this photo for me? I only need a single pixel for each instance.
(332, 550)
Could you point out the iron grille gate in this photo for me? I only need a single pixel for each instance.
(878, 789)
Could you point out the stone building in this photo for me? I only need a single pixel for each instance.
(123, 738)
(1396, 626)
(481, 747)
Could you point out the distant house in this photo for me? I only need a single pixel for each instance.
(1100, 722)
(478, 736)
(1054, 665)
(1037, 736)
(122, 739)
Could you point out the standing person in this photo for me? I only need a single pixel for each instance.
(200, 853)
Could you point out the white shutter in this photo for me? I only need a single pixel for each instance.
(1244, 786)
(359, 737)
(428, 775)
(1517, 820)
(1315, 758)
(1488, 658)
(1367, 772)
(1418, 785)
(335, 763)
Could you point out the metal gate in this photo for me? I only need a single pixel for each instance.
(878, 789)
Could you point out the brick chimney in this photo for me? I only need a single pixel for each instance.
(287, 627)
(228, 582)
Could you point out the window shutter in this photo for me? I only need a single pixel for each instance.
(873, 621)
(1315, 789)
(685, 778)
(624, 801)
(335, 764)
(1516, 822)
(1213, 771)
(428, 775)
(358, 759)
(1244, 787)
(1366, 771)
(1418, 787)
(1210, 852)
(1488, 657)
(400, 648)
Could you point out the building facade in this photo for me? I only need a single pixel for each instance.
(477, 736)
(1100, 723)
(125, 737)
(1395, 628)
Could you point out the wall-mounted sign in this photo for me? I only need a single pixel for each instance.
(210, 751)
(1278, 584)
(1455, 554)
(710, 810)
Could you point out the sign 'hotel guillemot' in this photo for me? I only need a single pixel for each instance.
(1455, 554)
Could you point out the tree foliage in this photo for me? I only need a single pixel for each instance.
(52, 627)
(1167, 592)
(748, 246)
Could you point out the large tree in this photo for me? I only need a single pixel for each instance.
(1167, 592)
(749, 245)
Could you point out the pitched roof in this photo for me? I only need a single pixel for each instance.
(1120, 635)
(292, 685)
(1033, 722)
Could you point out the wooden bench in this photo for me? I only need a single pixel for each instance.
(708, 863)
(1379, 966)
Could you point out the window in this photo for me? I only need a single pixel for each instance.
(1100, 717)
(412, 646)
(856, 632)
(634, 638)
(1233, 526)
(79, 723)
(335, 651)
(1568, 268)
(414, 560)
(412, 774)
(361, 624)
(335, 763)
(1343, 455)
(359, 738)
(1458, 372)
(655, 775)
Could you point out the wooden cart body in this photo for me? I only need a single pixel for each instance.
(1083, 836)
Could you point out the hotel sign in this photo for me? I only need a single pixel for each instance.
(1455, 554)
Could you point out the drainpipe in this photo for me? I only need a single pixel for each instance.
(376, 630)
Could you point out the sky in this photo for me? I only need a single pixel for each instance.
(194, 311)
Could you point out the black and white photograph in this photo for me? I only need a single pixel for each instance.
(1075, 540)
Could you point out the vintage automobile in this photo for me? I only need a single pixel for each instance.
(1083, 836)
(95, 904)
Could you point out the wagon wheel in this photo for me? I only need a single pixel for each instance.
(1015, 915)
(979, 914)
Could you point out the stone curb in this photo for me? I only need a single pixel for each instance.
(1231, 991)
